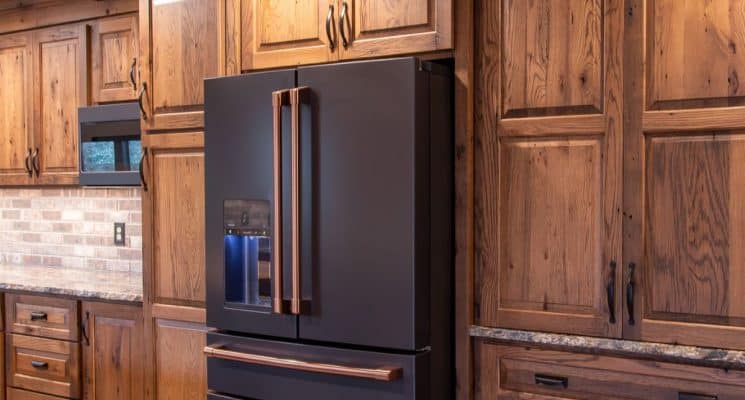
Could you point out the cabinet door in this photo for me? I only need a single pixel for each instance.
(16, 105)
(180, 364)
(114, 59)
(174, 219)
(113, 356)
(549, 166)
(285, 33)
(685, 163)
(375, 28)
(60, 79)
(179, 50)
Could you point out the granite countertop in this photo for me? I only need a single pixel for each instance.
(81, 283)
(721, 358)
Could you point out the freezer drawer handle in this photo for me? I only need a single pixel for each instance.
(279, 98)
(386, 374)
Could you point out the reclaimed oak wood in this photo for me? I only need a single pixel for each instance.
(180, 366)
(114, 53)
(50, 317)
(60, 376)
(31, 14)
(16, 108)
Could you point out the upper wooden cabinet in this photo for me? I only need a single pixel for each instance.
(550, 167)
(284, 33)
(114, 54)
(180, 44)
(287, 32)
(16, 109)
(60, 87)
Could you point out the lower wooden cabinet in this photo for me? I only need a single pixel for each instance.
(18, 394)
(113, 352)
(48, 366)
(180, 364)
(509, 372)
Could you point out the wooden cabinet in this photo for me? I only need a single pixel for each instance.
(277, 33)
(180, 365)
(550, 168)
(16, 108)
(507, 372)
(180, 46)
(114, 54)
(44, 365)
(113, 352)
(44, 316)
(60, 87)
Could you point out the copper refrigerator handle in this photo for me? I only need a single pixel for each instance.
(297, 97)
(279, 98)
(386, 374)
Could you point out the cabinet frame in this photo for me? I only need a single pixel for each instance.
(100, 92)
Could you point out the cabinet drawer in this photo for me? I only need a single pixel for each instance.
(507, 372)
(43, 365)
(18, 394)
(42, 316)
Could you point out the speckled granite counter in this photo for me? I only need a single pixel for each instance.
(657, 351)
(85, 284)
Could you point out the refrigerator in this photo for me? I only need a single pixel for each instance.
(329, 232)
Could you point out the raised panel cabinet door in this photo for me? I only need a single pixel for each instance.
(114, 54)
(549, 167)
(16, 109)
(180, 364)
(180, 46)
(60, 79)
(375, 28)
(113, 355)
(175, 219)
(685, 157)
(286, 33)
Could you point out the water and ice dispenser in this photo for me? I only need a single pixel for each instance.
(248, 252)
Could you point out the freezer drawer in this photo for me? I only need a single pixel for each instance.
(270, 370)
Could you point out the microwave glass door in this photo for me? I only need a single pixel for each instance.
(111, 154)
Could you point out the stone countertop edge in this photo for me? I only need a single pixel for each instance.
(702, 356)
(82, 294)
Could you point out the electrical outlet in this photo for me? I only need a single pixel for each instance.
(119, 234)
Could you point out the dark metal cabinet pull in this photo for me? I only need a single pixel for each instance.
(132, 74)
(329, 27)
(143, 89)
(39, 364)
(84, 328)
(142, 172)
(552, 381)
(630, 293)
(38, 316)
(27, 163)
(342, 20)
(610, 291)
(693, 396)
(35, 162)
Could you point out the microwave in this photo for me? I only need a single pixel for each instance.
(110, 148)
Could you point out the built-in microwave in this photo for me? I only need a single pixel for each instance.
(110, 149)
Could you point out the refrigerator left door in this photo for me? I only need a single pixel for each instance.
(244, 273)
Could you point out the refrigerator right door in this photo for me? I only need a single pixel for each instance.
(365, 204)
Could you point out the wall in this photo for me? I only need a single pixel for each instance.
(70, 227)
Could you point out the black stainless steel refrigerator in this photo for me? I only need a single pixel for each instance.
(329, 206)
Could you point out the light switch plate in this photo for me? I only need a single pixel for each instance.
(119, 234)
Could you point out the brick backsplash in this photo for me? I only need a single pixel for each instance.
(71, 227)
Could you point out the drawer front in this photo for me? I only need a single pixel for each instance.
(44, 365)
(18, 394)
(269, 370)
(49, 317)
(505, 372)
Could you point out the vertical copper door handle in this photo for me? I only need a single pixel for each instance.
(297, 96)
(279, 99)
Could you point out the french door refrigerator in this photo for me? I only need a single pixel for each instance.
(329, 232)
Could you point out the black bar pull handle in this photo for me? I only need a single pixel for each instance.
(552, 381)
(39, 364)
(38, 316)
(143, 89)
(28, 164)
(630, 285)
(342, 21)
(142, 172)
(132, 73)
(35, 162)
(84, 328)
(329, 27)
(610, 292)
(694, 396)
